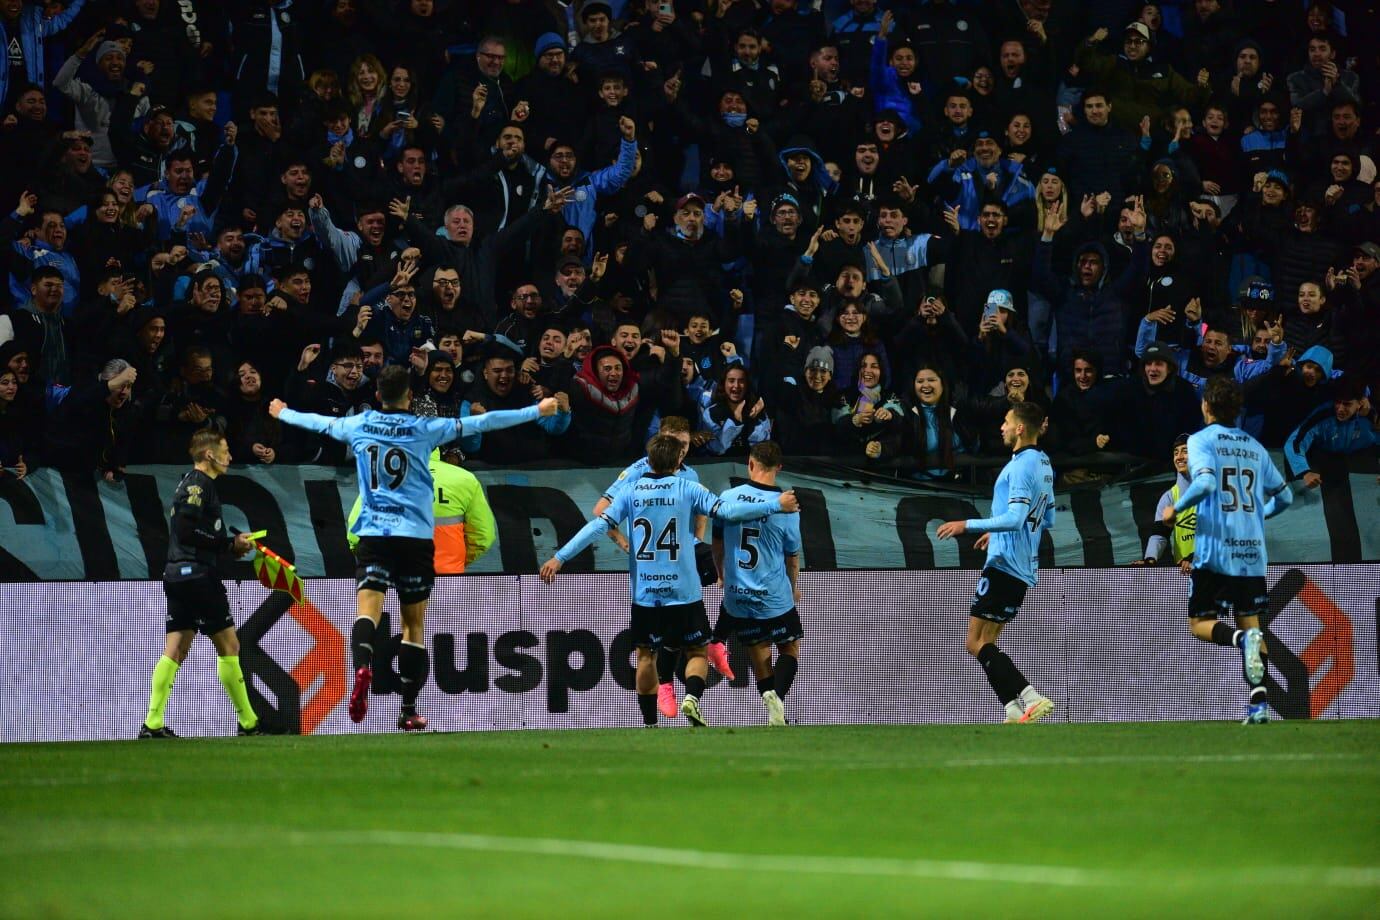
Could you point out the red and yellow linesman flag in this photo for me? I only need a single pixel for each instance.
(275, 573)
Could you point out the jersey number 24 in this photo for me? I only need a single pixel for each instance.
(665, 541)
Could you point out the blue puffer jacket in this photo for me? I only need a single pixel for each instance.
(33, 29)
(1321, 430)
(968, 183)
(582, 209)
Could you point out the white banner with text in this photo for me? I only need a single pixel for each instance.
(509, 652)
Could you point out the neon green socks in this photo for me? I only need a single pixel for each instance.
(232, 679)
(161, 688)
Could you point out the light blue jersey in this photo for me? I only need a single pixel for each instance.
(1022, 510)
(1236, 486)
(661, 557)
(391, 452)
(756, 586)
(639, 469)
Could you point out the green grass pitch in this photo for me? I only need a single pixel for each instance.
(1187, 819)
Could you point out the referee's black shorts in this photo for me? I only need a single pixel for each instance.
(198, 604)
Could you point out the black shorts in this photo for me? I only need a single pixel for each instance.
(405, 564)
(675, 626)
(1216, 595)
(998, 597)
(199, 604)
(777, 630)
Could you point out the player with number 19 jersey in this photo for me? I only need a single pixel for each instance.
(1022, 510)
(391, 453)
(1246, 488)
(661, 558)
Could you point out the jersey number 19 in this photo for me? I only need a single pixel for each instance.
(393, 466)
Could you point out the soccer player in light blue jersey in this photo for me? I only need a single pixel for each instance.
(761, 565)
(667, 600)
(1022, 510)
(395, 522)
(717, 652)
(1235, 486)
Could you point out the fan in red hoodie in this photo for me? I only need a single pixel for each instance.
(604, 400)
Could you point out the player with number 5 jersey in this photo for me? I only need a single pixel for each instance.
(1235, 487)
(396, 520)
(667, 599)
(761, 565)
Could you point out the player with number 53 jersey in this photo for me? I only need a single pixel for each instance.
(1235, 487)
(1230, 535)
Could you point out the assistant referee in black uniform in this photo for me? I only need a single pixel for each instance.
(196, 596)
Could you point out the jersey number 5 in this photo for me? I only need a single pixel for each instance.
(746, 545)
(1241, 493)
(394, 466)
(666, 540)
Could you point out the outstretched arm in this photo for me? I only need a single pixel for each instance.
(738, 511)
(321, 424)
(584, 539)
(503, 418)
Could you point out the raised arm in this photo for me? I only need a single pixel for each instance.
(55, 24)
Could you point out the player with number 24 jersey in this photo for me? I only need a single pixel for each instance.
(662, 509)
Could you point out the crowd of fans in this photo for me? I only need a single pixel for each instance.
(858, 228)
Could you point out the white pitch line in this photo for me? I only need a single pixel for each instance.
(947, 870)
(955, 870)
(601, 851)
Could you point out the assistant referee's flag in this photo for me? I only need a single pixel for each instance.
(276, 573)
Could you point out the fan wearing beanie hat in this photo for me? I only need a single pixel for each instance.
(821, 358)
(546, 42)
(94, 101)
